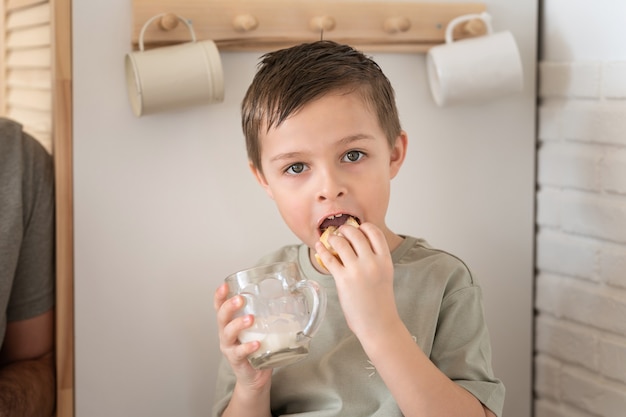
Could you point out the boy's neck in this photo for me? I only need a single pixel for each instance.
(393, 240)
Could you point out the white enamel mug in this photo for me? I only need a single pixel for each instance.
(474, 69)
(175, 76)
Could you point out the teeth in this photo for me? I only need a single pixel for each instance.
(332, 217)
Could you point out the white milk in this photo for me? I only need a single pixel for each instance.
(280, 332)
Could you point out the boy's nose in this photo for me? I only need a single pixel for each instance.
(331, 187)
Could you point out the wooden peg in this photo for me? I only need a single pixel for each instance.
(474, 27)
(168, 22)
(245, 23)
(396, 24)
(322, 23)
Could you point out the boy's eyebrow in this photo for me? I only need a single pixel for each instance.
(287, 155)
(343, 141)
(355, 137)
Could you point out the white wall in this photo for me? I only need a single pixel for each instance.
(165, 208)
(581, 241)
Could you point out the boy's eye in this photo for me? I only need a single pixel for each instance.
(353, 156)
(296, 168)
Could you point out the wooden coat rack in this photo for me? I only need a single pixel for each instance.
(251, 25)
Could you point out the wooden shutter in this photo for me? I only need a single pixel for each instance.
(26, 70)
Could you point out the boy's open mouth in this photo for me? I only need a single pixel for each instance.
(336, 221)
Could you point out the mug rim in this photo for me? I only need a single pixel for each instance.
(268, 266)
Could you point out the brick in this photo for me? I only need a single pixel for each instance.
(547, 377)
(612, 265)
(577, 80)
(566, 341)
(613, 172)
(594, 215)
(612, 354)
(548, 293)
(600, 309)
(549, 207)
(595, 122)
(582, 302)
(585, 79)
(614, 80)
(570, 165)
(553, 79)
(548, 408)
(567, 254)
(591, 393)
(549, 120)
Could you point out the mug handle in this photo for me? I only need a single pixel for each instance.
(318, 295)
(153, 18)
(484, 16)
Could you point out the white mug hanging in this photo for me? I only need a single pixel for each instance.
(175, 76)
(474, 69)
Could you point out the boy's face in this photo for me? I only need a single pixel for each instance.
(329, 158)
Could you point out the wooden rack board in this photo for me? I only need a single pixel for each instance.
(385, 26)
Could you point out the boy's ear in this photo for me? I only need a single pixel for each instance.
(260, 178)
(398, 153)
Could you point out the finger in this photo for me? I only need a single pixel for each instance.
(230, 332)
(238, 355)
(221, 293)
(375, 237)
(328, 259)
(349, 243)
(354, 236)
(343, 247)
(246, 349)
(228, 309)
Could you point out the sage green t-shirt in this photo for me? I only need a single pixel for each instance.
(440, 304)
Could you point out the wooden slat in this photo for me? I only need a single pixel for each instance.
(19, 4)
(38, 132)
(31, 16)
(28, 37)
(30, 78)
(3, 69)
(63, 154)
(287, 22)
(39, 120)
(30, 99)
(29, 58)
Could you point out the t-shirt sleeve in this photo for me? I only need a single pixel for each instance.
(462, 348)
(33, 288)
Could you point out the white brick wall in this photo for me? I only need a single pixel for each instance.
(580, 362)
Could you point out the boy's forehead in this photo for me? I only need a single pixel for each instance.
(313, 135)
(275, 115)
(331, 116)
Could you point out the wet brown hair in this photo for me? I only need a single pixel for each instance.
(290, 78)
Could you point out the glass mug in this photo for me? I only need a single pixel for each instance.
(287, 309)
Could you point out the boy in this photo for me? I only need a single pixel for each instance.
(404, 332)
